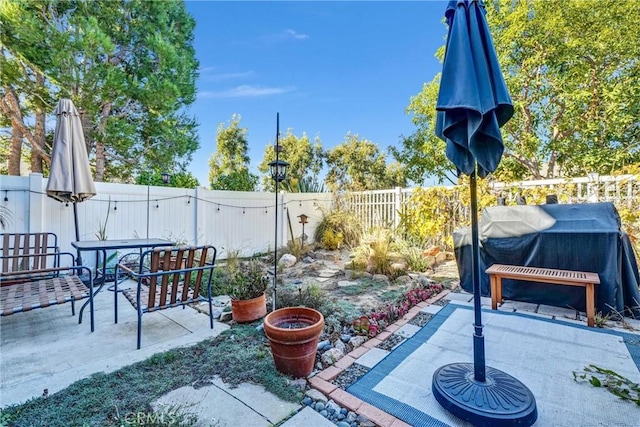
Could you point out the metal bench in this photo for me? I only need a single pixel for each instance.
(587, 280)
(35, 274)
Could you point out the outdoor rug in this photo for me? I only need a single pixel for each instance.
(540, 352)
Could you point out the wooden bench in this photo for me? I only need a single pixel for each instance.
(497, 272)
(166, 278)
(35, 274)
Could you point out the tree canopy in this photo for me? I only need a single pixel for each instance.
(128, 65)
(305, 161)
(358, 165)
(229, 165)
(573, 71)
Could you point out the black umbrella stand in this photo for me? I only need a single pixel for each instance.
(482, 395)
(75, 222)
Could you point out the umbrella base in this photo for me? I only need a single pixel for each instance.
(500, 400)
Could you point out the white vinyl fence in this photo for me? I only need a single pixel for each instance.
(229, 220)
(239, 221)
(382, 208)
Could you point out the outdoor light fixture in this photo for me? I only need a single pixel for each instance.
(166, 177)
(278, 170)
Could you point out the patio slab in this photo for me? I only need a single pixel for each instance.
(46, 349)
(541, 353)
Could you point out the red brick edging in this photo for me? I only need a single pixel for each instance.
(322, 380)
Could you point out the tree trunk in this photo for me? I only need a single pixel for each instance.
(15, 152)
(39, 135)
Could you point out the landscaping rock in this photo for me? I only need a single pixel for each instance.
(331, 356)
(226, 316)
(357, 341)
(403, 280)
(380, 278)
(340, 346)
(323, 345)
(344, 283)
(287, 260)
(316, 395)
(441, 257)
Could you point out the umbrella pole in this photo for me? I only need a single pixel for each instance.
(478, 338)
(75, 222)
(483, 396)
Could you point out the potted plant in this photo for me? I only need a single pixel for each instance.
(293, 334)
(246, 285)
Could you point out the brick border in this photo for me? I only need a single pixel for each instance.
(322, 380)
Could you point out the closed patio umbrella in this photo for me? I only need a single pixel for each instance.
(70, 177)
(473, 104)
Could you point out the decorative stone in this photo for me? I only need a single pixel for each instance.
(316, 395)
(441, 257)
(331, 356)
(340, 346)
(319, 406)
(287, 260)
(345, 283)
(324, 413)
(323, 345)
(345, 338)
(348, 274)
(344, 424)
(351, 416)
(357, 341)
(380, 278)
(403, 280)
(333, 406)
(298, 384)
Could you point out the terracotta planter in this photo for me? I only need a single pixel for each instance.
(249, 310)
(293, 333)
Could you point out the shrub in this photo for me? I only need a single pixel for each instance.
(342, 222)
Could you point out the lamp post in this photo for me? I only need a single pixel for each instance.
(278, 169)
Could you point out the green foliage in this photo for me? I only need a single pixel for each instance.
(311, 295)
(307, 184)
(376, 253)
(246, 282)
(358, 165)
(412, 254)
(342, 225)
(569, 72)
(613, 382)
(297, 248)
(237, 355)
(331, 240)
(305, 161)
(229, 166)
(129, 67)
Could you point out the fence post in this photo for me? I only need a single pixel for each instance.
(398, 207)
(36, 202)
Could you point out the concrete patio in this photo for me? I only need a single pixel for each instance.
(47, 350)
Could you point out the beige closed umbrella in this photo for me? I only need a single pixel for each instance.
(70, 177)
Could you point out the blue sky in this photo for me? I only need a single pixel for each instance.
(327, 67)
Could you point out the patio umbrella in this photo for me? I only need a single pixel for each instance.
(473, 104)
(70, 178)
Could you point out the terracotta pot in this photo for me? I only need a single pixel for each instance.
(249, 310)
(293, 333)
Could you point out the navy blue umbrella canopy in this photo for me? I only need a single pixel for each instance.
(473, 102)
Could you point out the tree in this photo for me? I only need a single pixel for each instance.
(180, 179)
(573, 71)
(358, 165)
(229, 165)
(305, 160)
(129, 67)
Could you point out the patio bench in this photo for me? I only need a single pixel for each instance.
(587, 280)
(166, 278)
(35, 274)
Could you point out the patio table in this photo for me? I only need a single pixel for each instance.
(100, 247)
